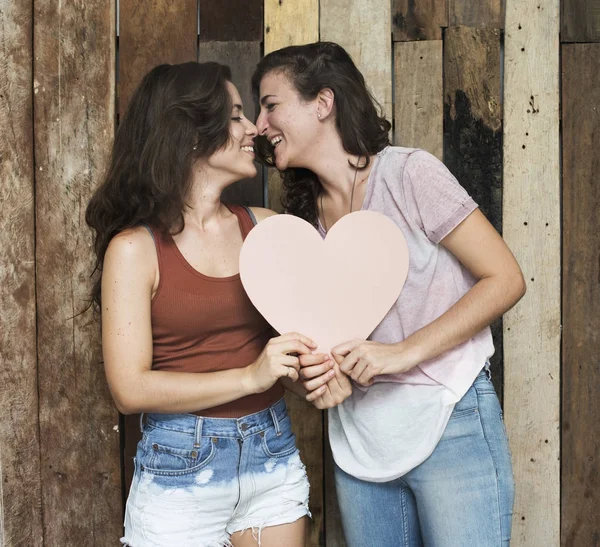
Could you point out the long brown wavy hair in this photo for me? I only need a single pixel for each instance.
(359, 119)
(178, 113)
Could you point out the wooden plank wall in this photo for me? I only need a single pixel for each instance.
(20, 489)
(475, 83)
(74, 46)
(580, 420)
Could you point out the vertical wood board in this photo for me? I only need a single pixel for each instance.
(74, 47)
(363, 28)
(531, 228)
(20, 489)
(580, 458)
(418, 106)
(287, 23)
(421, 20)
(481, 14)
(242, 57)
(473, 132)
(231, 20)
(152, 33)
(580, 21)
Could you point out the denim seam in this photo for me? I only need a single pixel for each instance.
(495, 474)
(404, 515)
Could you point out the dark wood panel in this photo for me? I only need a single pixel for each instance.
(481, 14)
(242, 57)
(580, 21)
(20, 491)
(334, 534)
(74, 124)
(473, 131)
(580, 458)
(231, 20)
(151, 33)
(418, 20)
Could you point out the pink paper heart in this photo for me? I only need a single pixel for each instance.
(331, 290)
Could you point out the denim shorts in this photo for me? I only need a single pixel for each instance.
(197, 480)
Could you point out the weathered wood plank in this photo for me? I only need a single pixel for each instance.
(242, 58)
(421, 20)
(531, 227)
(231, 20)
(20, 489)
(482, 14)
(333, 519)
(74, 125)
(144, 29)
(419, 105)
(580, 457)
(151, 33)
(290, 23)
(580, 21)
(287, 23)
(473, 131)
(363, 28)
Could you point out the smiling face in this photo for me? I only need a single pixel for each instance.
(289, 122)
(237, 157)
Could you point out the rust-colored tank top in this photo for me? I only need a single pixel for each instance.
(207, 324)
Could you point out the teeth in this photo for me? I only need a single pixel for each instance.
(248, 148)
(275, 141)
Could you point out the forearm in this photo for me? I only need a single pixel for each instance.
(181, 392)
(487, 300)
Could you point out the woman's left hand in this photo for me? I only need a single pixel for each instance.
(362, 360)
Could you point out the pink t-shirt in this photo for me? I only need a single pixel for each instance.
(417, 192)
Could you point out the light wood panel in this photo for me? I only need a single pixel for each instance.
(531, 222)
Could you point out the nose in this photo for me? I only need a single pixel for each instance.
(261, 122)
(251, 129)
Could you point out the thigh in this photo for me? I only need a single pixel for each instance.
(377, 514)
(182, 494)
(290, 535)
(464, 490)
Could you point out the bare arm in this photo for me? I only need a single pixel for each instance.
(500, 285)
(129, 275)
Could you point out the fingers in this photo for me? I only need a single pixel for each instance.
(319, 381)
(309, 360)
(317, 394)
(345, 348)
(307, 373)
(349, 362)
(289, 361)
(292, 345)
(297, 336)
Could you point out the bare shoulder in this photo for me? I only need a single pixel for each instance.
(261, 213)
(132, 251)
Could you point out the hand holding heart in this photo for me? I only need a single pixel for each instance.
(326, 384)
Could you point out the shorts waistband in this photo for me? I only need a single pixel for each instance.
(241, 428)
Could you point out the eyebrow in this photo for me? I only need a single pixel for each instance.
(264, 99)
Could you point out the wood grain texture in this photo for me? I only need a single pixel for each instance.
(580, 21)
(231, 20)
(287, 23)
(152, 33)
(481, 14)
(242, 57)
(473, 132)
(74, 46)
(290, 23)
(419, 105)
(20, 489)
(421, 20)
(580, 458)
(334, 532)
(531, 227)
(363, 28)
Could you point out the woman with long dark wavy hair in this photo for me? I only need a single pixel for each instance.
(420, 448)
(217, 463)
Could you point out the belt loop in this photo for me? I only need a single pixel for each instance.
(275, 421)
(142, 422)
(198, 437)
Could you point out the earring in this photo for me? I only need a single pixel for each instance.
(195, 147)
(319, 115)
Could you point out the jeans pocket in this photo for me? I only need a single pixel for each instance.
(278, 445)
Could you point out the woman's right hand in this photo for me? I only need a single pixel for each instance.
(278, 360)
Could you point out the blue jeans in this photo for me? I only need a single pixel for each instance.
(461, 496)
